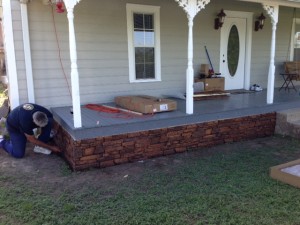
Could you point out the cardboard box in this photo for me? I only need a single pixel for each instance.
(146, 104)
(204, 70)
(277, 173)
(212, 84)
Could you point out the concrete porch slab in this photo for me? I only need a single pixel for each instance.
(107, 140)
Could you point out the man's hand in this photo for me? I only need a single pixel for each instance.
(55, 149)
(35, 141)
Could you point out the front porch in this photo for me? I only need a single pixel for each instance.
(108, 139)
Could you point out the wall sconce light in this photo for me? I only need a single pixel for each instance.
(220, 20)
(59, 6)
(259, 23)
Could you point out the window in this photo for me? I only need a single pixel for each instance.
(143, 31)
(295, 41)
(233, 50)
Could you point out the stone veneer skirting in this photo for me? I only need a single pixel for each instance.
(117, 149)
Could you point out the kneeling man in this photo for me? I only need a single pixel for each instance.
(20, 124)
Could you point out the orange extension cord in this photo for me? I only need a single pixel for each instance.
(114, 113)
(101, 108)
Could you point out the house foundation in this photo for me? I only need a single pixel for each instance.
(129, 147)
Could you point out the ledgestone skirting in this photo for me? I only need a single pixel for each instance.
(117, 149)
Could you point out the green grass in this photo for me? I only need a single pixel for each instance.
(228, 184)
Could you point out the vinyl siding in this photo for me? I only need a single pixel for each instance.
(262, 44)
(101, 36)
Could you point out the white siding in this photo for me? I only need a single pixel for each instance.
(101, 35)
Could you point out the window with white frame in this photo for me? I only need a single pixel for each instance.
(294, 48)
(143, 29)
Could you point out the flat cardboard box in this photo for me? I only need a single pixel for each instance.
(277, 173)
(146, 104)
(212, 84)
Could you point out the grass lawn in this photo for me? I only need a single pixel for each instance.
(227, 184)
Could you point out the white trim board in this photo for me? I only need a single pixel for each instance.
(11, 68)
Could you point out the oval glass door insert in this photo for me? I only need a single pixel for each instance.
(233, 50)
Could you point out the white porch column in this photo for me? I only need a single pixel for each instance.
(191, 7)
(27, 52)
(74, 69)
(273, 13)
(10, 55)
(190, 70)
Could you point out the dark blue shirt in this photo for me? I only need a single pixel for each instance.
(21, 119)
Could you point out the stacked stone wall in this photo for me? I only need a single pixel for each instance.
(125, 148)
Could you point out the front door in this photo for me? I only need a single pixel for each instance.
(232, 52)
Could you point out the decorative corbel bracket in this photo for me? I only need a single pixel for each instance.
(272, 11)
(71, 3)
(192, 7)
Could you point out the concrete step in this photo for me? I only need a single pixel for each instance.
(288, 122)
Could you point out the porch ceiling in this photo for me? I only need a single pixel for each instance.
(289, 3)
